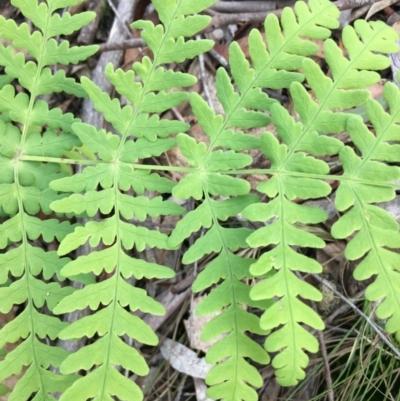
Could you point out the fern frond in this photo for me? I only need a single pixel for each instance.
(28, 129)
(142, 135)
(272, 67)
(233, 376)
(281, 215)
(43, 47)
(50, 144)
(118, 173)
(351, 74)
(285, 186)
(377, 232)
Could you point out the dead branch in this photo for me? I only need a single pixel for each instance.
(243, 7)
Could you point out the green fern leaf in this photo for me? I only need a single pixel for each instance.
(19, 109)
(49, 144)
(97, 231)
(136, 298)
(58, 82)
(377, 231)
(35, 200)
(10, 137)
(47, 263)
(29, 129)
(88, 180)
(193, 152)
(289, 311)
(142, 135)
(141, 207)
(118, 172)
(158, 79)
(8, 198)
(63, 54)
(140, 180)
(35, 380)
(90, 203)
(152, 127)
(106, 144)
(158, 103)
(229, 267)
(167, 11)
(172, 50)
(271, 69)
(21, 36)
(67, 23)
(142, 148)
(110, 108)
(347, 74)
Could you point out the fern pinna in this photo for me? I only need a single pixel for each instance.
(37, 144)
(30, 134)
(295, 176)
(365, 176)
(105, 186)
(233, 377)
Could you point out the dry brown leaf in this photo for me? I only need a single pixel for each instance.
(378, 6)
(184, 360)
(194, 325)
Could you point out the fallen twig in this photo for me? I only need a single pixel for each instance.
(350, 4)
(243, 6)
(204, 78)
(125, 44)
(219, 19)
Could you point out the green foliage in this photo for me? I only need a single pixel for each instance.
(25, 191)
(141, 136)
(40, 196)
(377, 231)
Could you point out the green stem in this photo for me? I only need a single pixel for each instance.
(266, 171)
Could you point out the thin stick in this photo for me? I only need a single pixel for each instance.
(223, 19)
(243, 6)
(123, 23)
(126, 44)
(221, 59)
(350, 4)
(203, 78)
(220, 19)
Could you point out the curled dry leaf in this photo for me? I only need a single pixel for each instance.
(184, 360)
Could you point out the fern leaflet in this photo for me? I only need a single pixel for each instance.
(143, 135)
(286, 51)
(377, 231)
(24, 192)
(285, 186)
